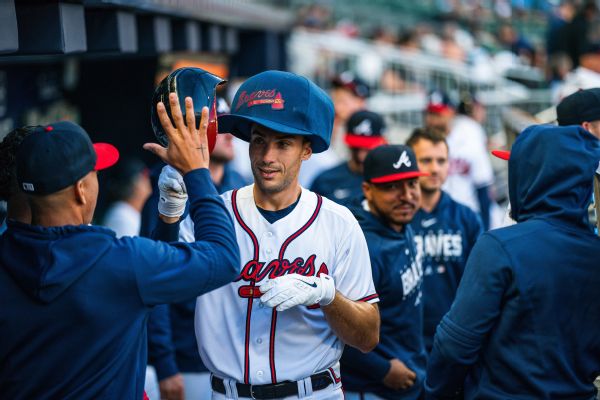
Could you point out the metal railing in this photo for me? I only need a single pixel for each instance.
(402, 99)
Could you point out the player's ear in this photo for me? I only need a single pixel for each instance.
(366, 187)
(306, 149)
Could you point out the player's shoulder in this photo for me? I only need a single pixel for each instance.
(331, 174)
(241, 194)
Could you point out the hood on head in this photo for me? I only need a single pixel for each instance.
(550, 173)
(47, 261)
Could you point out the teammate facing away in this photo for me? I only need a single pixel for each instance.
(524, 324)
(79, 297)
(305, 285)
(395, 369)
(445, 230)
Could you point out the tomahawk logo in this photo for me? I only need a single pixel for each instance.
(364, 128)
(402, 160)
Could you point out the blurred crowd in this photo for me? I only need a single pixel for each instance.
(555, 38)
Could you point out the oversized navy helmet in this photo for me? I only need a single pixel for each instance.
(196, 83)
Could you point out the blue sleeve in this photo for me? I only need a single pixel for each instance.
(161, 351)
(166, 232)
(463, 330)
(483, 195)
(371, 364)
(173, 272)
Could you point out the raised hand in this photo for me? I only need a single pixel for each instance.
(188, 146)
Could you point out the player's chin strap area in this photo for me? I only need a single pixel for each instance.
(319, 381)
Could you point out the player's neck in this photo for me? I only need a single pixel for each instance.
(430, 199)
(277, 201)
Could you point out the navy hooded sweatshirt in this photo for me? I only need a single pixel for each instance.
(75, 299)
(339, 184)
(397, 277)
(444, 238)
(526, 320)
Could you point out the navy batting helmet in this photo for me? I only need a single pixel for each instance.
(196, 83)
(284, 102)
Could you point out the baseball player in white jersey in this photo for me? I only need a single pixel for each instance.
(305, 286)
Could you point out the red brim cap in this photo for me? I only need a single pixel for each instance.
(438, 108)
(106, 155)
(398, 177)
(364, 142)
(503, 154)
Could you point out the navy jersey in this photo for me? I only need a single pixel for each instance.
(444, 238)
(398, 277)
(338, 184)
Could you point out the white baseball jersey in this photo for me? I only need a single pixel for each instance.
(238, 337)
(470, 167)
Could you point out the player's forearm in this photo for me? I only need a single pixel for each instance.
(355, 323)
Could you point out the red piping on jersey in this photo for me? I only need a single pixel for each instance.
(250, 299)
(336, 378)
(272, 346)
(281, 254)
(301, 230)
(370, 297)
(243, 224)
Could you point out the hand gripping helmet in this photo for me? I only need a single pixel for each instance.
(196, 83)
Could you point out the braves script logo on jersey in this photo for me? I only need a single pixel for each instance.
(256, 271)
(271, 96)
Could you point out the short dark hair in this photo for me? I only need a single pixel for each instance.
(120, 180)
(432, 135)
(8, 154)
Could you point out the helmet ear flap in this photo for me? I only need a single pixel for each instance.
(213, 126)
(196, 83)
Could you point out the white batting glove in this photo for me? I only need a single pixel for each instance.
(292, 290)
(173, 194)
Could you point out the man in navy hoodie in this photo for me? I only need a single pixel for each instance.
(524, 323)
(445, 230)
(342, 183)
(395, 369)
(75, 298)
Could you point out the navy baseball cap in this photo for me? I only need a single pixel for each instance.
(439, 102)
(347, 80)
(364, 130)
(579, 107)
(56, 156)
(284, 102)
(389, 163)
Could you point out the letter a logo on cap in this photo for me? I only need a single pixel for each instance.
(402, 160)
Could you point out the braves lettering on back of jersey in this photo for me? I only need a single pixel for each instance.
(444, 239)
(238, 337)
